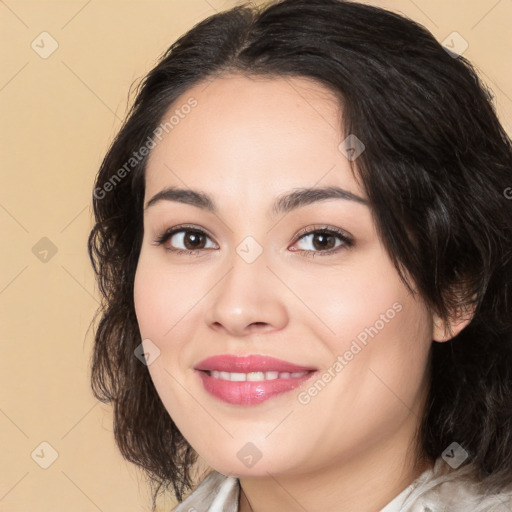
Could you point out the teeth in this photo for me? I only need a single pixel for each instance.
(254, 376)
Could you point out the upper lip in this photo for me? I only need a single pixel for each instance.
(251, 363)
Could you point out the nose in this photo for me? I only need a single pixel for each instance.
(248, 299)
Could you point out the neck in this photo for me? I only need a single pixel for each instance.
(365, 482)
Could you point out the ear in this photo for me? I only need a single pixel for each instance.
(446, 330)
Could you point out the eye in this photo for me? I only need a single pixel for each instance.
(322, 240)
(312, 240)
(189, 240)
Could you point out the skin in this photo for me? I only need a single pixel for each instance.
(352, 447)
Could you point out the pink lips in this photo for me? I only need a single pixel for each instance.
(249, 392)
(231, 363)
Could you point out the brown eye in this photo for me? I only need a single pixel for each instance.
(184, 240)
(322, 241)
(193, 240)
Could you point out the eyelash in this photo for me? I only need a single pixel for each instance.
(346, 240)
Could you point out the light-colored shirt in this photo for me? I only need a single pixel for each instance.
(437, 489)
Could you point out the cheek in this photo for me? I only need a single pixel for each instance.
(378, 360)
(161, 298)
(348, 299)
(169, 309)
(161, 304)
(380, 329)
(146, 300)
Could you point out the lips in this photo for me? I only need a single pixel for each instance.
(247, 364)
(250, 380)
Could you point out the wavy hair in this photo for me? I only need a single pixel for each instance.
(437, 168)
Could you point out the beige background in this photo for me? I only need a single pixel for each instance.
(59, 115)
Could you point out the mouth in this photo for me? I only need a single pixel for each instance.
(250, 380)
(250, 364)
(254, 376)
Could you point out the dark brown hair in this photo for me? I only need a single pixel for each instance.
(436, 168)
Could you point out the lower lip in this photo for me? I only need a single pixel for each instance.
(249, 392)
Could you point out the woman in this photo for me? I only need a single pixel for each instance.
(303, 240)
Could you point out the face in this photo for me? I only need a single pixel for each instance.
(309, 284)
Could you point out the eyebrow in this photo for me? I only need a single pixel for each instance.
(283, 204)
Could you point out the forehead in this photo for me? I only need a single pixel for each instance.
(251, 137)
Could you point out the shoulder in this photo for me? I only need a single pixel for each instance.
(215, 493)
(443, 489)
